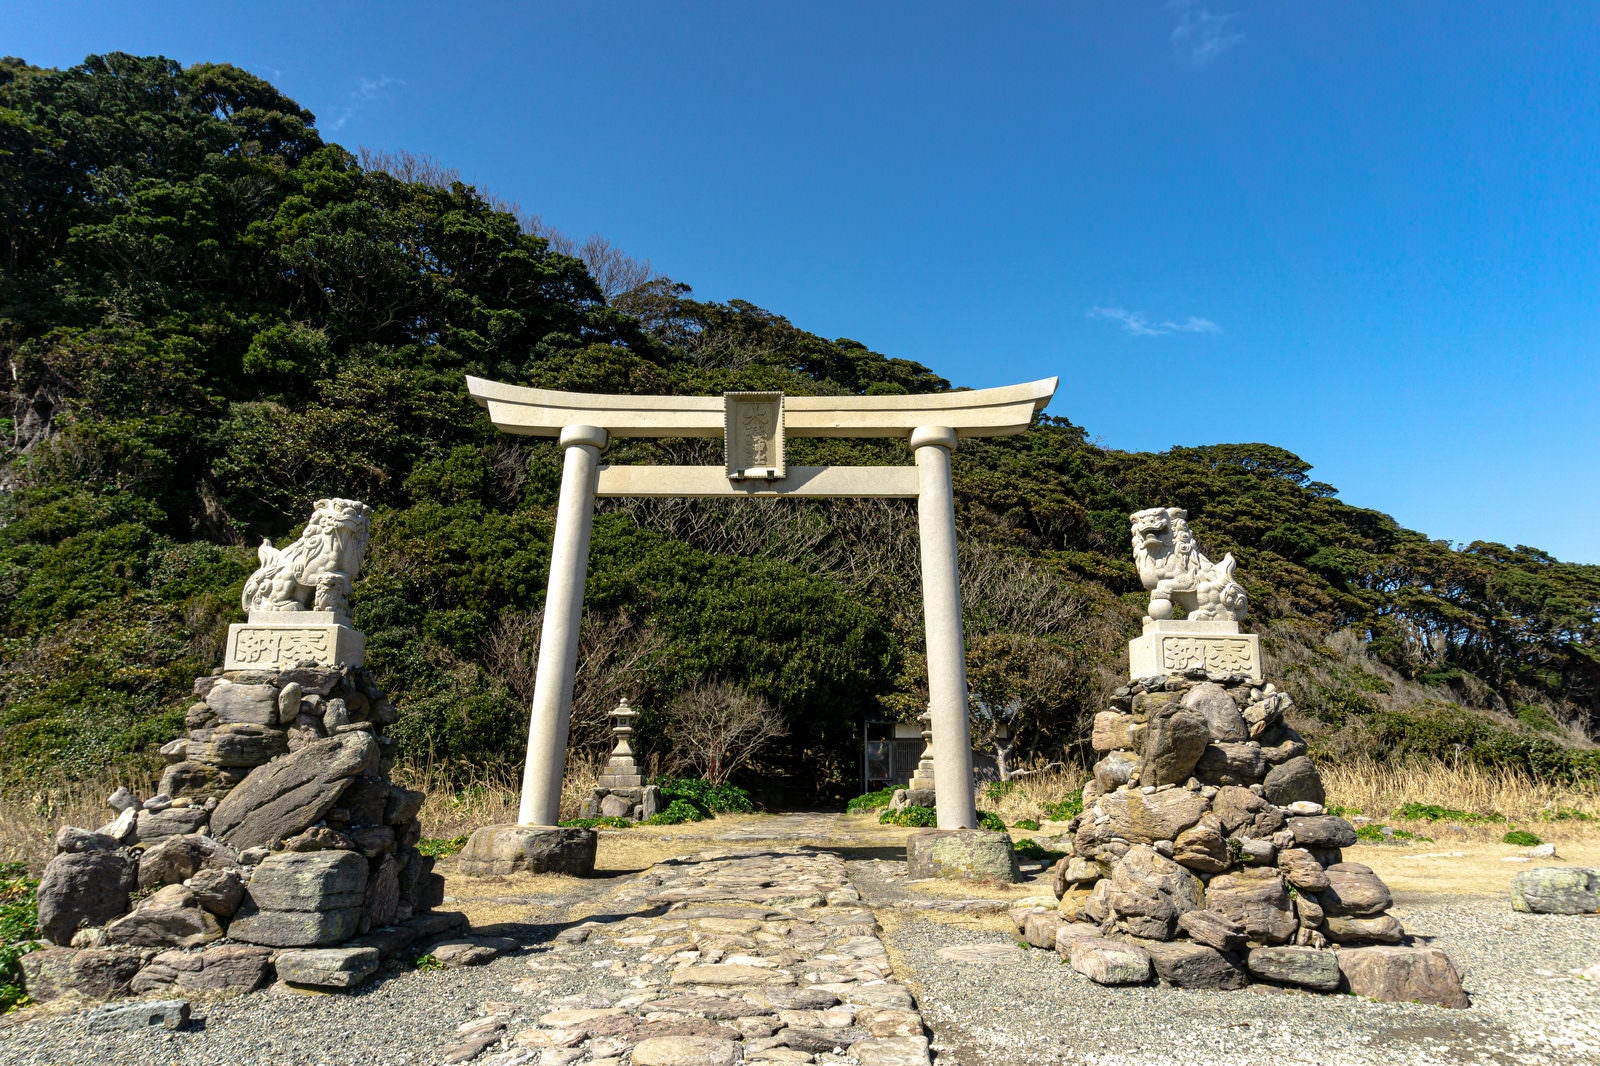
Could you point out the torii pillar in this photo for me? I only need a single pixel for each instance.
(753, 427)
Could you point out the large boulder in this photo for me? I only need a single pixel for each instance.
(961, 854)
(83, 888)
(1144, 818)
(1294, 780)
(1555, 890)
(328, 967)
(1213, 930)
(175, 859)
(500, 850)
(94, 973)
(1402, 975)
(1221, 713)
(241, 744)
(291, 793)
(172, 918)
(1302, 870)
(1384, 929)
(1109, 962)
(1172, 746)
(1115, 770)
(1149, 891)
(1114, 731)
(1257, 901)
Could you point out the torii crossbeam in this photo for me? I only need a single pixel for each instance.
(753, 426)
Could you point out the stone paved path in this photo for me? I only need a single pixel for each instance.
(748, 955)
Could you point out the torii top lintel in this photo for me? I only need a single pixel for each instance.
(975, 413)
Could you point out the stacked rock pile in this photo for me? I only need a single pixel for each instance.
(275, 827)
(1204, 856)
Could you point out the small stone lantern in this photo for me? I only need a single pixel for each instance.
(620, 770)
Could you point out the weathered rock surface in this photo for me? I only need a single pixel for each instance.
(1295, 779)
(1302, 870)
(1213, 930)
(1245, 814)
(1223, 720)
(1142, 818)
(1202, 847)
(1231, 763)
(172, 918)
(1384, 929)
(291, 793)
(1148, 892)
(309, 881)
(1257, 901)
(150, 1014)
(154, 826)
(1354, 891)
(1403, 975)
(249, 704)
(1322, 831)
(230, 968)
(1300, 967)
(1109, 962)
(1172, 746)
(500, 850)
(176, 859)
(83, 888)
(94, 973)
(1556, 890)
(1186, 965)
(327, 967)
(961, 854)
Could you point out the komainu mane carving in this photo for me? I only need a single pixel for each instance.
(314, 573)
(1173, 569)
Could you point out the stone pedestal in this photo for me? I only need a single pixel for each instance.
(961, 855)
(281, 640)
(1174, 647)
(499, 850)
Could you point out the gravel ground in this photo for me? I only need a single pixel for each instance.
(1528, 1006)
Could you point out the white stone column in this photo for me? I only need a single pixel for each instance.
(941, 606)
(558, 641)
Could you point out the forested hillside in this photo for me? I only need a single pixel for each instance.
(211, 317)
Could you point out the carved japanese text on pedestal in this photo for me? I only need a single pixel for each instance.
(753, 435)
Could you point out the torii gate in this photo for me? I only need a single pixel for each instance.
(753, 426)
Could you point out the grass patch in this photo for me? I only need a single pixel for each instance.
(1522, 838)
(910, 817)
(596, 823)
(991, 821)
(1029, 848)
(1432, 812)
(1027, 823)
(437, 848)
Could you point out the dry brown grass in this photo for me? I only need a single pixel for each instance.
(1377, 790)
(457, 805)
(1029, 794)
(29, 818)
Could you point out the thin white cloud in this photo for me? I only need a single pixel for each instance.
(366, 91)
(1137, 324)
(1201, 35)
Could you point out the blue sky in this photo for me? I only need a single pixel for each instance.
(1369, 233)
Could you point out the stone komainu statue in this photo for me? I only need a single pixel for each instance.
(1172, 568)
(315, 572)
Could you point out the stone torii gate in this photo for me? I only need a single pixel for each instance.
(753, 426)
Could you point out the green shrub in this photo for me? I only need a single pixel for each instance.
(1341, 812)
(872, 801)
(1066, 809)
(911, 817)
(439, 848)
(1521, 838)
(709, 798)
(1029, 848)
(596, 823)
(1431, 812)
(1565, 814)
(1027, 823)
(1374, 834)
(995, 791)
(18, 930)
(429, 962)
(676, 813)
(991, 822)
(1369, 834)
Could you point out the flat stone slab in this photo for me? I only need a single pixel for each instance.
(149, 1014)
(328, 967)
(502, 850)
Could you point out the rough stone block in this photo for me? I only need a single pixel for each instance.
(1556, 890)
(289, 795)
(499, 850)
(1403, 975)
(253, 704)
(94, 973)
(1300, 967)
(309, 881)
(293, 929)
(82, 888)
(1186, 965)
(1109, 962)
(172, 918)
(327, 967)
(149, 1014)
(961, 854)
(155, 826)
(1354, 891)
(1296, 779)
